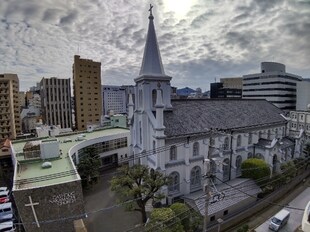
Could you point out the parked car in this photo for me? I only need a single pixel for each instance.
(6, 212)
(4, 194)
(3, 189)
(7, 226)
(4, 200)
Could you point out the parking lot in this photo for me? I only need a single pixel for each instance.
(295, 215)
(102, 216)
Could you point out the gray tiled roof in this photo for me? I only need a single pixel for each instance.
(197, 115)
(241, 190)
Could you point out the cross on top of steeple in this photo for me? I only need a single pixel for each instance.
(151, 13)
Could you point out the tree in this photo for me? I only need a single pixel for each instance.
(88, 167)
(288, 169)
(139, 184)
(255, 169)
(164, 220)
(190, 219)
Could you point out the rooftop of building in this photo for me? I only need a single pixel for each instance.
(192, 116)
(30, 173)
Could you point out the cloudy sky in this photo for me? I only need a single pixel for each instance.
(200, 40)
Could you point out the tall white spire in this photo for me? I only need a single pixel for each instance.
(151, 64)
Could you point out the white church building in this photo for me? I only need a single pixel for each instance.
(176, 136)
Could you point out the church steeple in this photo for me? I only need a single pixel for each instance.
(151, 64)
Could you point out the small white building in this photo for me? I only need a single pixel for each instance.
(300, 120)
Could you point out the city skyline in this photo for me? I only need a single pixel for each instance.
(199, 40)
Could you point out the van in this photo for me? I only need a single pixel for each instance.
(6, 212)
(7, 226)
(279, 220)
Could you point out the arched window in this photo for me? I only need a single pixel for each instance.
(173, 153)
(250, 138)
(196, 149)
(276, 133)
(195, 178)
(274, 164)
(268, 135)
(260, 135)
(154, 147)
(250, 155)
(238, 165)
(140, 97)
(154, 96)
(174, 184)
(239, 141)
(226, 143)
(226, 169)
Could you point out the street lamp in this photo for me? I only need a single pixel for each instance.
(220, 221)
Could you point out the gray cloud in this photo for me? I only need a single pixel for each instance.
(213, 39)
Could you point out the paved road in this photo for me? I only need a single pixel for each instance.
(296, 215)
(108, 220)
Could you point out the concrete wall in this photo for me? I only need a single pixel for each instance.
(56, 202)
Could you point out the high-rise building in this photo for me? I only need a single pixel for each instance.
(56, 101)
(273, 84)
(303, 95)
(114, 99)
(10, 124)
(87, 92)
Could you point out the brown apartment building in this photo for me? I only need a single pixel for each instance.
(10, 124)
(87, 92)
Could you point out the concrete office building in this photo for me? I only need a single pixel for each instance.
(10, 124)
(232, 82)
(56, 101)
(114, 99)
(87, 92)
(303, 95)
(273, 84)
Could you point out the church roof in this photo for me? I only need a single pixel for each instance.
(191, 116)
(151, 63)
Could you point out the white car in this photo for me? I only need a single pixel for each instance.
(7, 226)
(2, 189)
(4, 194)
(6, 212)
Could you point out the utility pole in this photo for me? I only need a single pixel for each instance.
(207, 191)
(207, 170)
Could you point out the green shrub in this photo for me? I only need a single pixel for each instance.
(255, 169)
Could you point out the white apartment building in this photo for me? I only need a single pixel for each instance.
(273, 84)
(56, 102)
(303, 95)
(300, 120)
(113, 99)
